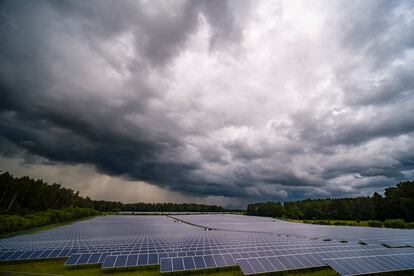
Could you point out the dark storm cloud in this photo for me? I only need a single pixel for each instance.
(222, 98)
(45, 117)
(158, 37)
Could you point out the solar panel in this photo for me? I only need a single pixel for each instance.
(150, 240)
(36, 254)
(15, 255)
(102, 258)
(278, 263)
(45, 253)
(120, 261)
(109, 262)
(72, 259)
(219, 260)
(54, 253)
(372, 264)
(63, 253)
(83, 259)
(178, 264)
(395, 244)
(229, 260)
(166, 265)
(132, 260)
(5, 255)
(209, 261)
(199, 262)
(257, 266)
(26, 254)
(152, 259)
(188, 263)
(246, 266)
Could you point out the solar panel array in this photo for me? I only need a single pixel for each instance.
(255, 244)
(372, 264)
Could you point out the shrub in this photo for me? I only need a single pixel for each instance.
(394, 223)
(13, 223)
(323, 222)
(375, 223)
(409, 225)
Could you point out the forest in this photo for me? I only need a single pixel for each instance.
(396, 203)
(25, 195)
(26, 203)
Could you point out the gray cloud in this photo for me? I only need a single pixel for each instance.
(271, 100)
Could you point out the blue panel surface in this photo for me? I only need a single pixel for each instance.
(83, 259)
(94, 259)
(257, 267)
(142, 259)
(199, 262)
(166, 265)
(132, 260)
(152, 259)
(372, 264)
(120, 261)
(55, 253)
(188, 263)
(209, 261)
(72, 259)
(26, 254)
(109, 262)
(64, 253)
(36, 254)
(245, 267)
(15, 255)
(219, 260)
(178, 264)
(45, 253)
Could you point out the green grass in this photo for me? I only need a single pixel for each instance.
(56, 267)
(42, 228)
(334, 222)
(389, 223)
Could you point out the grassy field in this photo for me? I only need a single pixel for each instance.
(42, 228)
(55, 267)
(334, 222)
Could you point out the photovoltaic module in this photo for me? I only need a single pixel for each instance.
(255, 244)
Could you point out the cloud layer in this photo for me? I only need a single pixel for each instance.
(251, 100)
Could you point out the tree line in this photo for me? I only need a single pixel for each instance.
(24, 195)
(397, 203)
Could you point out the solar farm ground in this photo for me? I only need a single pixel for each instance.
(234, 245)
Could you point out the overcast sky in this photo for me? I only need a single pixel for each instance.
(214, 101)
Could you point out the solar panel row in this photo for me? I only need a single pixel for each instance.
(196, 262)
(278, 263)
(86, 258)
(298, 261)
(35, 254)
(372, 264)
(268, 225)
(130, 260)
(395, 244)
(249, 251)
(147, 240)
